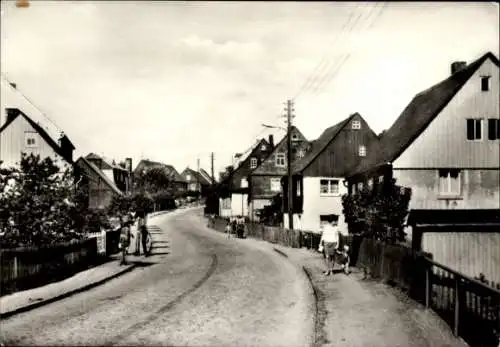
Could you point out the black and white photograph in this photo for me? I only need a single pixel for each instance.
(249, 173)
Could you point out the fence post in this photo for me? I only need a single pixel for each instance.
(457, 308)
(15, 268)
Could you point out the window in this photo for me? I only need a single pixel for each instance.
(244, 183)
(295, 137)
(263, 148)
(370, 183)
(493, 129)
(381, 179)
(30, 139)
(280, 159)
(300, 153)
(329, 187)
(356, 124)
(253, 163)
(362, 151)
(474, 129)
(449, 182)
(188, 177)
(298, 188)
(360, 186)
(275, 185)
(485, 83)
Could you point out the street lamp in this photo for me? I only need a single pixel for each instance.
(289, 171)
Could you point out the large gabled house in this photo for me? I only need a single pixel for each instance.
(196, 182)
(178, 184)
(234, 194)
(445, 147)
(265, 179)
(318, 178)
(121, 176)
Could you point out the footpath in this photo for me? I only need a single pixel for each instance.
(26, 300)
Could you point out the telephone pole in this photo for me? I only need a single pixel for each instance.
(198, 173)
(212, 161)
(289, 116)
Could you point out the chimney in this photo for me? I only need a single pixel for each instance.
(13, 85)
(271, 141)
(128, 164)
(66, 146)
(457, 66)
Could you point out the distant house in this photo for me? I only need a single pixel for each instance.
(318, 178)
(234, 198)
(121, 176)
(445, 146)
(209, 178)
(20, 134)
(178, 184)
(100, 187)
(196, 182)
(265, 179)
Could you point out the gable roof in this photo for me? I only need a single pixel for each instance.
(207, 176)
(101, 174)
(417, 116)
(197, 176)
(320, 144)
(259, 169)
(108, 162)
(242, 164)
(41, 131)
(169, 170)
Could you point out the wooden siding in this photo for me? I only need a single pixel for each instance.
(100, 194)
(261, 186)
(444, 143)
(342, 153)
(243, 170)
(480, 189)
(12, 144)
(471, 253)
(315, 205)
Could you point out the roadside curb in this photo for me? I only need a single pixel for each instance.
(67, 294)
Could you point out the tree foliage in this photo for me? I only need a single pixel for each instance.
(378, 213)
(40, 205)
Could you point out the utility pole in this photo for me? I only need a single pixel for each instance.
(289, 116)
(198, 174)
(212, 161)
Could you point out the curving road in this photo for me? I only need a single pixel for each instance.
(198, 289)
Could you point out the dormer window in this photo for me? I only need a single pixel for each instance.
(356, 124)
(253, 163)
(30, 139)
(485, 83)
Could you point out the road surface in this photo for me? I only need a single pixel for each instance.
(198, 289)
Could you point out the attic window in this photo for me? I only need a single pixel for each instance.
(474, 129)
(30, 139)
(485, 83)
(300, 153)
(362, 151)
(356, 124)
(280, 159)
(295, 137)
(188, 177)
(263, 148)
(253, 163)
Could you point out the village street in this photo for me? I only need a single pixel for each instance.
(201, 289)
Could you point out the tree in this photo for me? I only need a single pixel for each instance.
(378, 213)
(39, 205)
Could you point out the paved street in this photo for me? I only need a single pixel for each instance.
(198, 288)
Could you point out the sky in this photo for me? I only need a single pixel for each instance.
(175, 81)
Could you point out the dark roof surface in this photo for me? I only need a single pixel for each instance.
(319, 145)
(41, 131)
(170, 171)
(101, 174)
(417, 116)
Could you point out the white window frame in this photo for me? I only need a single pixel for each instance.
(253, 163)
(300, 153)
(356, 124)
(448, 192)
(295, 137)
(263, 148)
(362, 151)
(475, 127)
(330, 186)
(188, 177)
(280, 160)
(244, 183)
(30, 135)
(275, 183)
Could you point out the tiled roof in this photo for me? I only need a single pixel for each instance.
(415, 118)
(170, 171)
(55, 146)
(107, 161)
(206, 176)
(319, 145)
(101, 174)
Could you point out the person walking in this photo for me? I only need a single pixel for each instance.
(330, 241)
(143, 230)
(125, 236)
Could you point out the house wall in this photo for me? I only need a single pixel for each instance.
(315, 205)
(239, 204)
(225, 207)
(342, 153)
(471, 253)
(243, 170)
(100, 194)
(261, 187)
(257, 204)
(480, 189)
(12, 144)
(444, 143)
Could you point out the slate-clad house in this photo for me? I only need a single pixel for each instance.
(265, 180)
(120, 176)
(196, 182)
(318, 178)
(208, 178)
(445, 146)
(234, 197)
(179, 185)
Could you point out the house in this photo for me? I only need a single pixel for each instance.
(318, 178)
(178, 184)
(445, 146)
(20, 134)
(196, 182)
(207, 177)
(265, 179)
(121, 176)
(100, 186)
(234, 197)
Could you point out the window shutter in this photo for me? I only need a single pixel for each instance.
(470, 129)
